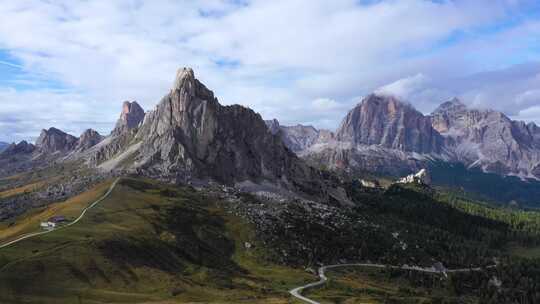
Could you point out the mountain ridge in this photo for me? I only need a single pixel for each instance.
(385, 134)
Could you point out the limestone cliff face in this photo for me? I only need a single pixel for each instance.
(381, 134)
(386, 122)
(489, 139)
(131, 117)
(53, 140)
(22, 147)
(16, 158)
(189, 136)
(299, 137)
(87, 140)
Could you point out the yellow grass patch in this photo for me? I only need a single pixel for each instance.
(70, 208)
(21, 190)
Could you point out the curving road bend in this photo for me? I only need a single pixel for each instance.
(83, 213)
(297, 292)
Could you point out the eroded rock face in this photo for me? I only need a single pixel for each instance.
(381, 134)
(22, 147)
(88, 139)
(389, 123)
(489, 139)
(54, 140)
(16, 158)
(189, 136)
(131, 117)
(298, 138)
(387, 136)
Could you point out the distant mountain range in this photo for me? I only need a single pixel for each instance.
(189, 138)
(383, 134)
(3, 145)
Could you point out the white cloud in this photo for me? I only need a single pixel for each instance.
(279, 57)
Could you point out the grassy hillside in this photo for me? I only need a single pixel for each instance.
(153, 243)
(145, 244)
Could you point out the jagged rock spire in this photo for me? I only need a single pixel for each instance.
(132, 115)
(184, 77)
(88, 139)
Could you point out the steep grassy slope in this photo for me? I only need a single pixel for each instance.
(145, 244)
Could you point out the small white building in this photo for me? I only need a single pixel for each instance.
(48, 225)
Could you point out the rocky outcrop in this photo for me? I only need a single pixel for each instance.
(131, 117)
(422, 177)
(16, 158)
(88, 139)
(53, 140)
(22, 147)
(386, 122)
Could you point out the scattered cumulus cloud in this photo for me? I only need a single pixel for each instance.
(300, 61)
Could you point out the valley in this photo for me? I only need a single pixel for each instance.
(153, 243)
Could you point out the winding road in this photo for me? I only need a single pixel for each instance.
(297, 292)
(83, 213)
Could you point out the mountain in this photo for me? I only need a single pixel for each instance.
(22, 147)
(383, 135)
(87, 140)
(298, 138)
(16, 157)
(490, 140)
(190, 137)
(52, 146)
(53, 140)
(386, 135)
(3, 145)
(389, 123)
(131, 116)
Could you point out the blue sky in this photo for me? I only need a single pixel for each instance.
(70, 64)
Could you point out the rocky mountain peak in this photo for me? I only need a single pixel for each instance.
(131, 116)
(453, 105)
(299, 138)
(54, 140)
(22, 147)
(88, 139)
(390, 123)
(190, 137)
(185, 77)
